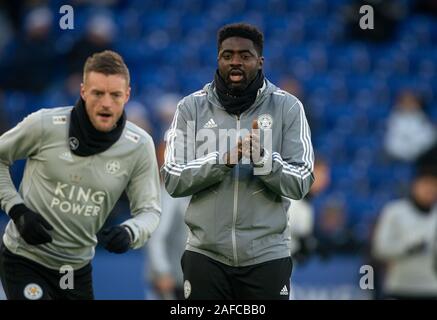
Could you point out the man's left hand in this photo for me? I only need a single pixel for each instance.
(252, 145)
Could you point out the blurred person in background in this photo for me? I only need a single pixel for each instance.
(167, 244)
(428, 159)
(294, 87)
(137, 113)
(33, 54)
(79, 161)
(165, 110)
(387, 15)
(99, 35)
(333, 232)
(409, 130)
(165, 249)
(301, 215)
(404, 239)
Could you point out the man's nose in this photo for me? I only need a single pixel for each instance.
(107, 101)
(236, 60)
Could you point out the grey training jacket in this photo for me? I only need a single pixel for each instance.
(238, 216)
(76, 194)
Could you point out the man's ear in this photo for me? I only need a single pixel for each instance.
(127, 95)
(82, 91)
(261, 62)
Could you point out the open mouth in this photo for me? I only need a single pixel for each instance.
(104, 115)
(236, 76)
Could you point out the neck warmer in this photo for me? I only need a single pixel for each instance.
(420, 207)
(85, 140)
(236, 102)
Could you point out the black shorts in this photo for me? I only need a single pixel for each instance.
(25, 279)
(207, 279)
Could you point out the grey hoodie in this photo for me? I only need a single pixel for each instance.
(238, 216)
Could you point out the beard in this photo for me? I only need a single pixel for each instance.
(237, 86)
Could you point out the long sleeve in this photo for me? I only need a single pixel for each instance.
(291, 173)
(159, 260)
(183, 174)
(143, 192)
(22, 141)
(159, 251)
(390, 240)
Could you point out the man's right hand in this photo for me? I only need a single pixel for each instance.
(234, 156)
(31, 226)
(417, 248)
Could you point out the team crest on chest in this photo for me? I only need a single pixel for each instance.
(265, 121)
(112, 166)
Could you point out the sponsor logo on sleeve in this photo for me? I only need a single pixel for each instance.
(132, 136)
(59, 119)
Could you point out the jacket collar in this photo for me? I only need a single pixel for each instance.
(267, 89)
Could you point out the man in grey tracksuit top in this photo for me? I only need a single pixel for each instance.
(79, 161)
(237, 216)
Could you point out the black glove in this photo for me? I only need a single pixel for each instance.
(115, 239)
(31, 226)
(417, 248)
(307, 246)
